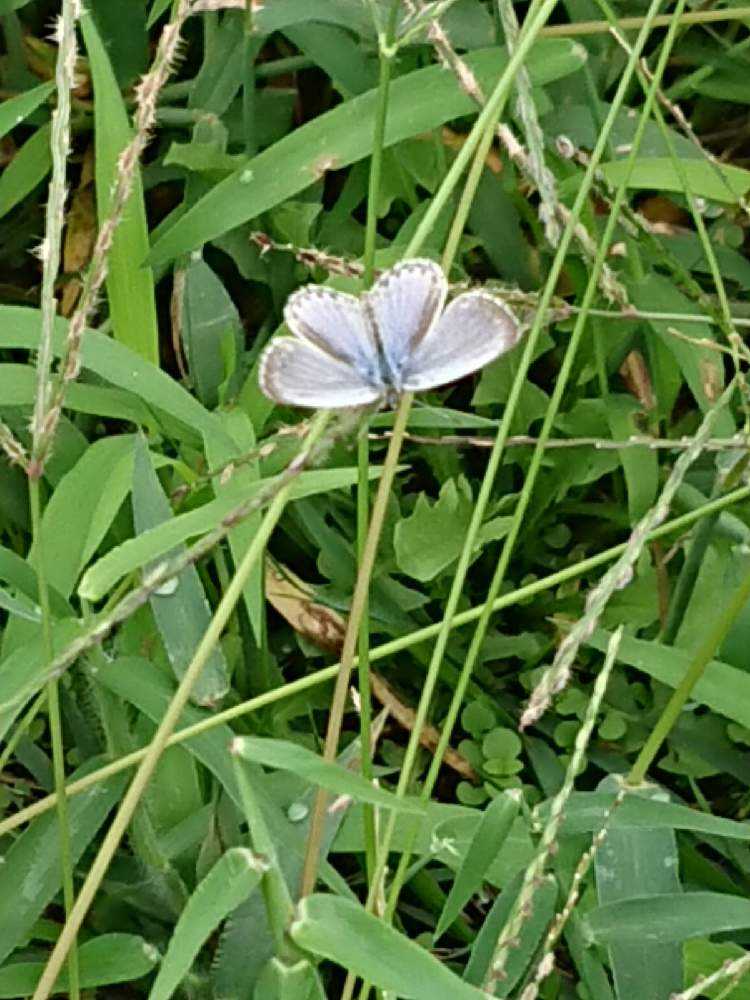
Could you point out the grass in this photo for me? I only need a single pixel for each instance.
(195, 802)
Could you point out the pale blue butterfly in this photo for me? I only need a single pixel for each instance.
(397, 337)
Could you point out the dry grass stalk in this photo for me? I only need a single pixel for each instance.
(553, 214)
(620, 574)
(730, 972)
(147, 94)
(546, 963)
(535, 872)
(14, 450)
(50, 251)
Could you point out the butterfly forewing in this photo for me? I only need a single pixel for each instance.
(297, 373)
(475, 329)
(404, 303)
(335, 323)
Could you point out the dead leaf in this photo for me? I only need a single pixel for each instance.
(635, 375)
(429, 737)
(295, 602)
(80, 231)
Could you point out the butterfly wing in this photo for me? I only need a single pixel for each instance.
(297, 373)
(475, 329)
(336, 324)
(404, 303)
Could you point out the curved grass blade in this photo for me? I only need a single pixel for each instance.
(14, 110)
(419, 102)
(102, 961)
(231, 880)
(488, 839)
(347, 934)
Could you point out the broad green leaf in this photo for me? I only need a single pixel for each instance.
(14, 110)
(287, 756)
(707, 179)
(135, 680)
(209, 321)
(231, 880)
(181, 611)
(586, 812)
(102, 961)
(432, 537)
(668, 918)
(136, 552)
(418, 102)
(18, 386)
(17, 572)
(639, 862)
(352, 70)
(31, 874)
(81, 510)
(723, 688)
(28, 168)
(345, 933)
(23, 670)
(120, 366)
(130, 286)
(487, 842)
(282, 981)
(19, 608)
(443, 833)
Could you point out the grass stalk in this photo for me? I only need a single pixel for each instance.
(51, 249)
(386, 57)
(384, 651)
(485, 121)
(147, 95)
(250, 51)
(636, 23)
(50, 254)
(338, 702)
(169, 721)
(56, 736)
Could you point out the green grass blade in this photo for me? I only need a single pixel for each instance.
(231, 880)
(182, 612)
(419, 102)
(130, 286)
(14, 110)
(345, 933)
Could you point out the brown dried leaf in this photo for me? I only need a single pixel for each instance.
(295, 602)
(429, 737)
(636, 377)
(80, 231)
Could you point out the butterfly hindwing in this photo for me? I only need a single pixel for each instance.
(404, 303)
(475, 329)
(297, 373)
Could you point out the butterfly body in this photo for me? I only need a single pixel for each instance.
(397, 337)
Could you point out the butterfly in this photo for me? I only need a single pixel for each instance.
(398, 337)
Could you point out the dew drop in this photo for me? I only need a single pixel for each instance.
(168, 587)
(297, 811)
